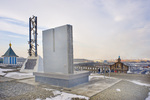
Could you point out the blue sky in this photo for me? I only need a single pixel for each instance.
(102, 29)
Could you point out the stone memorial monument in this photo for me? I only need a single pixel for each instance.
(58, 59)
(34, 63)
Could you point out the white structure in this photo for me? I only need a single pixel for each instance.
(58, 59)
(129, 70)
(33, 64)
(58, 50)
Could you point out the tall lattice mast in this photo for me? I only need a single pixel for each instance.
(32, 36)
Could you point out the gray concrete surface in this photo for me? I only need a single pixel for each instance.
(97, 89)
(94, 86)
(128, 91)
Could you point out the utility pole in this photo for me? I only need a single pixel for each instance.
(109, 72)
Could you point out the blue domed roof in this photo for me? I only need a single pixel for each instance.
(10, 52)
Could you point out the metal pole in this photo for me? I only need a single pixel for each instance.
(30, 37)
(109, 72)
(104, 71)
(35, 36)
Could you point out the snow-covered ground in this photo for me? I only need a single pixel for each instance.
(63, 96)
(2, 73)
(93, 76)
(18, 75)
(118, 90)
(140, 83)
(148, 98)
(15, 75)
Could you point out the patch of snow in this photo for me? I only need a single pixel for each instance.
(129, 72)
(38, 99)
(62, 95)
(94, 74)
(147, 72)
(48, 89)
(2, 73)
(118, 90)
(98, 76)
(148, 98)
(91, 76)
(56, 92)
(18, 75)
(66, 96)
(139, 83)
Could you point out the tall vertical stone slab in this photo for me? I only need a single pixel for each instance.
(58, 59)
(58, 50)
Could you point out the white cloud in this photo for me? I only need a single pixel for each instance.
(14, 36)
(13, 28)
(118, 18)
(101, 28)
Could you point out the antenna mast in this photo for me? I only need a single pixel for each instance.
(32, 36)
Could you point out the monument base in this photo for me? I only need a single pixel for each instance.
(63, 80)
(33, 64)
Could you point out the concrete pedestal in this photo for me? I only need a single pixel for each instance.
(33, 64)
(63, 80)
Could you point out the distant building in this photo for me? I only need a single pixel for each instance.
(119, 67)
(10, 57)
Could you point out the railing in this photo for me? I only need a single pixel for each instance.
(93, 69)
(13, 65)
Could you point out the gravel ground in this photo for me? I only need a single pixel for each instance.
(4, 79)
(14, 90)
(21, 91)
(124, 90)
